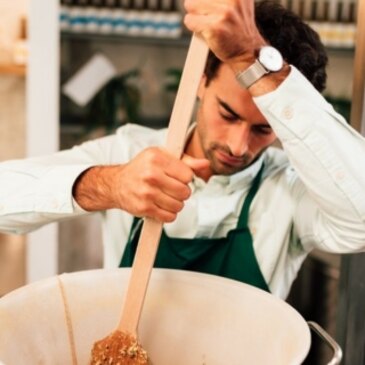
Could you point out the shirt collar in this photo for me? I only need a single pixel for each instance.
(245, 176)
(240, 179)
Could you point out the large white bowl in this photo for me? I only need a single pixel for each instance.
(188, 319)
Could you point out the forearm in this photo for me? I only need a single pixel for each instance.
(38, 191)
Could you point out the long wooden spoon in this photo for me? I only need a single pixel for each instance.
(122, 346)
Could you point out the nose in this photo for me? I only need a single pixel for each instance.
(239, 139)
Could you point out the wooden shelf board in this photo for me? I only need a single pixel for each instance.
(182, 41)
(11, 69)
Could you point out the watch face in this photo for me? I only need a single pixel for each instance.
(271, 58)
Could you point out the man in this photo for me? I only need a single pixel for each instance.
(234, 206)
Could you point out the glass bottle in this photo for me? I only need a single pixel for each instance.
(121, 17)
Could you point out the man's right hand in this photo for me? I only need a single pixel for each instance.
(154, 184)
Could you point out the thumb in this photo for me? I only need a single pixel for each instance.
(196, 164)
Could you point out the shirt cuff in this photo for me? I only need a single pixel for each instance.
(55, 190)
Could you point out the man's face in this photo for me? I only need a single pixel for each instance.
(231, 132)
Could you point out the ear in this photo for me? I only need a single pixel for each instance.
(202, 87)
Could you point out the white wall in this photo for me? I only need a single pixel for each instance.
(43, 121)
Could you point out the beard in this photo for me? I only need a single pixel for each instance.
(223, 162)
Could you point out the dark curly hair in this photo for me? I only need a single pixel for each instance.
(298, 43)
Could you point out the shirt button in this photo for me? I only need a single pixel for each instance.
(287, 113)
(54, 204)
(340, 175)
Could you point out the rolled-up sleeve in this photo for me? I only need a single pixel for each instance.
(37, 191)
(32, 194)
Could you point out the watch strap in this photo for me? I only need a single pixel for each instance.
(252, 74)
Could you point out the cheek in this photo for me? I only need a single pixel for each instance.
(209, 120)
(210, 115)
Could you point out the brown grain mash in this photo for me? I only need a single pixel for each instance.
(118, 348)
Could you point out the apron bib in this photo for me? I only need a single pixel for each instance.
(232, 256)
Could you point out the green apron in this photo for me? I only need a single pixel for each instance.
(232, 256)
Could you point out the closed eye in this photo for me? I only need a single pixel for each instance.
(229, 117)
(264, 129)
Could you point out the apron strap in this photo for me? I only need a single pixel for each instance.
(243, 219)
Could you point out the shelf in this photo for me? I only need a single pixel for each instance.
(341, 50)
(11, 69)
(182, 41)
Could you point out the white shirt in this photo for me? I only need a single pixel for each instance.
(312, 196)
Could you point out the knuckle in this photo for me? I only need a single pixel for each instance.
(145, 202)
(149, 177)
(154, 154)
(143, 208)
(227, 12)
(144, 194)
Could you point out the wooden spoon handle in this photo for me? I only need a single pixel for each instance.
(151, 230)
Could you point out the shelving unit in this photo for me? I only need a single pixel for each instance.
(112, 38)
(126, 52)
(182, 41)
(81, 41)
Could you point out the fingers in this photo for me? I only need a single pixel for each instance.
(168, 207)
(196, 164)
(174, 188)
(159, 205)
(228, 27)
(156, 184)
(178, 170)
(163, 216)
(184, 169)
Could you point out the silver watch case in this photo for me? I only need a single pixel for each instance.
(269, 60)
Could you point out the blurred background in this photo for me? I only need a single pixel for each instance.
(136, 49)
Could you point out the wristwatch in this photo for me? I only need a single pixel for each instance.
(269, 60)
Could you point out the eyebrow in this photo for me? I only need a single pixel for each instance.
(228, 108)
(236, 115)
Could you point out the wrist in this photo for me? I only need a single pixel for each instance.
(262, 71)
(269, 82)
(93, 191)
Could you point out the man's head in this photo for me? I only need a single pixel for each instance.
(231, 131)
(296, 41)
